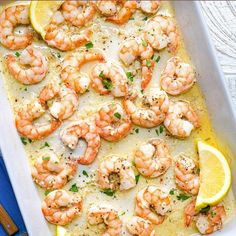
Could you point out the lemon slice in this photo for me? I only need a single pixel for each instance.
(61, 231)
(215, 176)
(41, 13)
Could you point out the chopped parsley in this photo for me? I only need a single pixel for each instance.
(25, 141)
(122, 213)
(47, 192)
(136, 130)
(17, 54)
(46, 158)
(172, 191)
(109, 192)
(117, 115)
(73, 188)
(89, 45)
(137, 178)
(158, 59)
(131, 18)
(107, 84)
(130, 76)
(161, 129)
(205, 209)
(157, 132)
(182, 197)
(101, 75)
(148, 63)
(45, 145)
(85, 173)
(58, 55)
(144, 43)
(145, 18)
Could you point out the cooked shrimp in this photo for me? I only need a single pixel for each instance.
(71, 74)
(78, 13)
(108, 216)
(153, 110)
(71, 134)
(177, 77)
(109, 78)
(9, 19)
(60, 36)
(51, 173)
(25, 122)
(107, 8)
(116, 173)
(152, 204)
(181, 119)
(185, 175)
(37, 70)
(140, 227)
(133, 49)
(153, 158)
(123, 15)
(60, 208)
(150, 7)
(161, 32)
(113, 123)
(206, 222)
(66, 103)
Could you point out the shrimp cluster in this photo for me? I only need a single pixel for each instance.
(35, 73)
(60, 208)
(185, 175)
(108, 216)
(116, 173)
(51, 173)
(70, 72)
(25, 122)
(181, 119)
(113, 122)
(177, 77)
(71, 134)
(66, 100)
(152, 158)
(10, 18)
(71, 26)
(109, 79)
(161, 32)
(60, 36)
(206, 222)
(152, 204)
(153, 110)
(139, 226)
(137, 48)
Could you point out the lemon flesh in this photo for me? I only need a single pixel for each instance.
(41, 13)
(215, 176)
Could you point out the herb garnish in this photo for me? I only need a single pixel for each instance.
(107, 84)
(117, 115)
(137, 178)
(85, 173)
(46, 144)
(108, 192)
(130, 76)
(17, 54)
(182, 197)
(73, 188)
(89, 45)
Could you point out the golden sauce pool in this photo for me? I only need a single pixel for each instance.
(107, 37)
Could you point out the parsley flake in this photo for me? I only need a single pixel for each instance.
(148, 63)
(137, 178)
(182, 197)
(117, 115)
(85, 173)
(158, 59)
(89, 45)
(107, 84)
(46, 158)
(145, 18)
(109, 192)
(130, 76)
(17, 54)
(73, 188)
(46, 144)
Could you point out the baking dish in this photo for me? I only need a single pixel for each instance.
(212, 84)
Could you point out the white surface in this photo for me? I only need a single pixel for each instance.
(220, 17)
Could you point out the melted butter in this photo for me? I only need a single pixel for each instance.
(108, 37)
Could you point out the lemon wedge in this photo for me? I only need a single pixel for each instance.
(215, 176)
(61, 231)
(41, 13)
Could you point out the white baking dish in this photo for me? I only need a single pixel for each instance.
(212, 83)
